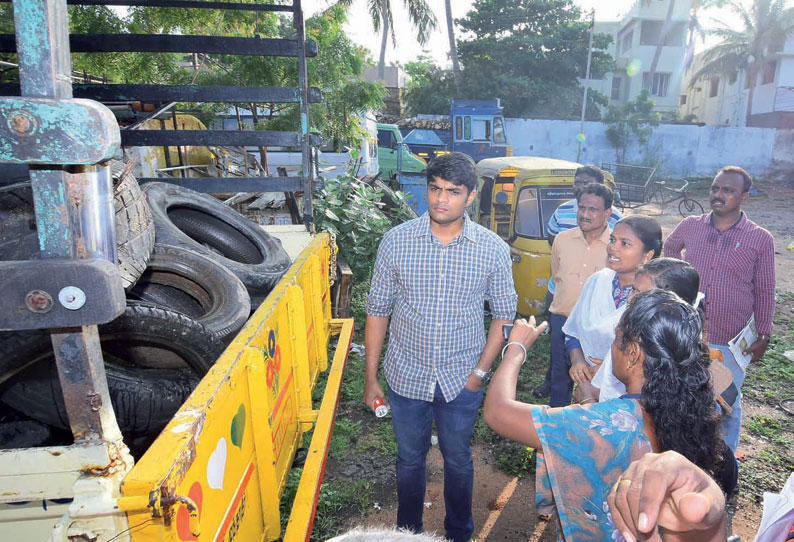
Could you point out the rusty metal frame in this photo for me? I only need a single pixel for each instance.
(59, 195)
(299, 48)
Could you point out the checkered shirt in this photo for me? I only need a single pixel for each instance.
(737, 272)
(564, 218)
(435, 295)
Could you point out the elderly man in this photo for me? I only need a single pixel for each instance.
(575, 255)
(736, 261)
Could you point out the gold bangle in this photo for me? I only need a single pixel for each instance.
(587, 400)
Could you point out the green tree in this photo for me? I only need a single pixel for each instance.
(766, 25)
(336, 69)
(632, 122)
(530, 54)
(429, 89)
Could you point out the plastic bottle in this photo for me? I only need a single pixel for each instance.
(380, 409)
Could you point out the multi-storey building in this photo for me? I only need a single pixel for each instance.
(723, 99)
(636, 38)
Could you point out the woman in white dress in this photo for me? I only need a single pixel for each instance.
(590, 328)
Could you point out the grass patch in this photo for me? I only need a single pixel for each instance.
(764, 426)
(345, 430)
(353, 381)
(516, 459)
(337, 501)
(766, 471)
(379, 439)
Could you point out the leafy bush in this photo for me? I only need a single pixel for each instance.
(353, 211)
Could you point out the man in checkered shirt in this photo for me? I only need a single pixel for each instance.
(735, 259)
(432, 277)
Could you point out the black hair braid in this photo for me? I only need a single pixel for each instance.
(677, 394)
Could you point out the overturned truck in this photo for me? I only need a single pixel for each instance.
(158, 352)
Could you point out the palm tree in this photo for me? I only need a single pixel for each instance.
(662, 37)
(695, 27)
(453, 49)
(380, 11)
(767, 25)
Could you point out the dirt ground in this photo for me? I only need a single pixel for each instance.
(504, 505)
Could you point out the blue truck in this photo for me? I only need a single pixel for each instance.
(477, 128)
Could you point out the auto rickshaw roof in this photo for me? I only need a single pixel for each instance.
(527, 166)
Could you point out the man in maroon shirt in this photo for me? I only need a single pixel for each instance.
(736, 261)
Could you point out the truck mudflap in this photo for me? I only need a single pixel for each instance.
(217, 471)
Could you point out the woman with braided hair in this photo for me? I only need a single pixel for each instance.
(660, 356)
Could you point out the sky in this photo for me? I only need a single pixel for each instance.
(360, 30)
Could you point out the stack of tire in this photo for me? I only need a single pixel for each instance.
(193, 269)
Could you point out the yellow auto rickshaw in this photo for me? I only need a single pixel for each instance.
(516, 196)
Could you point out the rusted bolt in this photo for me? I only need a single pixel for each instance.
(95, 401)
(38, 301)
(22, 123)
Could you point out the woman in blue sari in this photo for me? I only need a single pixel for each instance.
(659, 355)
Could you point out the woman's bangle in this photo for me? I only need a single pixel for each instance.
(587, 400)
(517, 344)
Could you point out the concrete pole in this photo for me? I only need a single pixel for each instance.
(586, 86)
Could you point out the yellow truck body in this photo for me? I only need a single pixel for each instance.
(217, 471)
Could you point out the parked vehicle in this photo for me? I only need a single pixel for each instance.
(516, 196)
(478, 129)
(394, 156)
(104, 372)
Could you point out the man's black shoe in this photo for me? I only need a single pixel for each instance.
(544, 390)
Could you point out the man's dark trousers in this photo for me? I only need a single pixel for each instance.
(412, 420)
(561, 383)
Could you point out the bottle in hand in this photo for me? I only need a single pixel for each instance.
(380, 409)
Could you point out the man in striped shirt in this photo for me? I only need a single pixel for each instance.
(432, 276)
(735, 259)
(563, 219)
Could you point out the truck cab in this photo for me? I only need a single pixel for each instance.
(393, 155)
(478, 129)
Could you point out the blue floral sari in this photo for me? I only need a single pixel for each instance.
(585, 449)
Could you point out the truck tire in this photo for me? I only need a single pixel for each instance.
(188, 282)
(134, 225)
(153, 356)
(144, 400)
(198, 221)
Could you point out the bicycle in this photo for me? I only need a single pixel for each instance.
(663, 195)
(636, 186)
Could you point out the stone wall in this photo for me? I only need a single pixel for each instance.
(677, 150)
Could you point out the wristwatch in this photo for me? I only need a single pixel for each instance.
(485, 375)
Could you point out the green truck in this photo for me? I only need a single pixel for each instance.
(394, 155)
